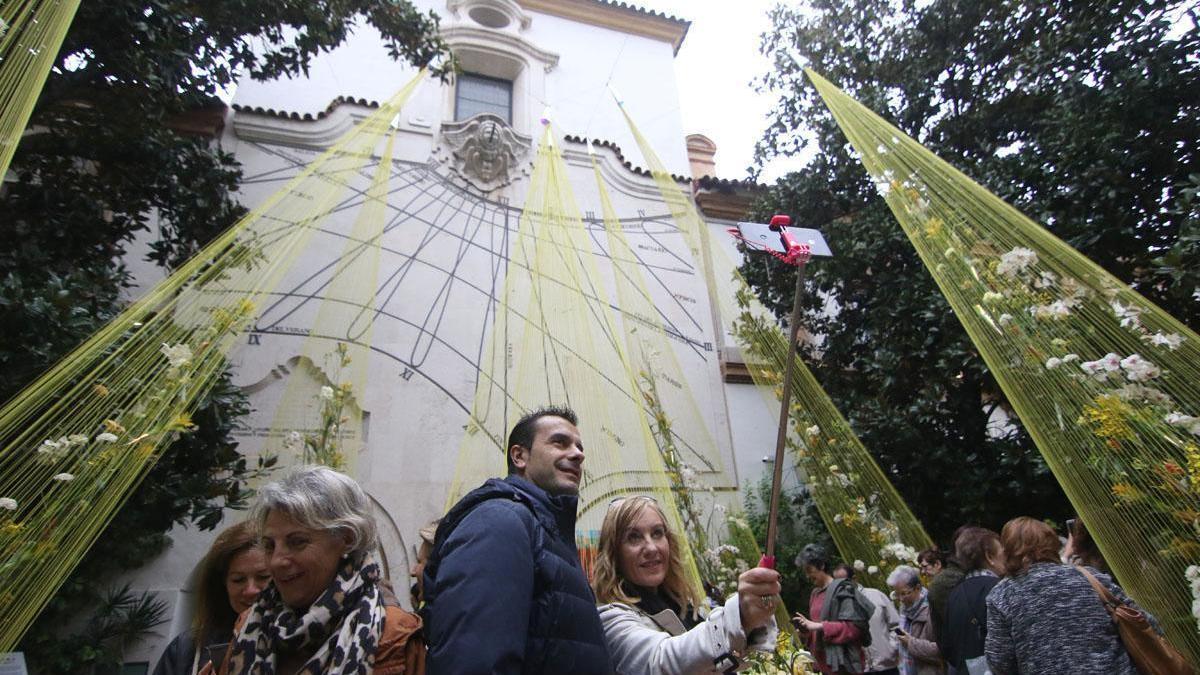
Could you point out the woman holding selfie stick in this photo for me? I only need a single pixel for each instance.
(919, 654)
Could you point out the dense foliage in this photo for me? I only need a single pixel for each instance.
(1085, 115)
(106, 160)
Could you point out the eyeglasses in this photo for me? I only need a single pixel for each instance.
(617, 500)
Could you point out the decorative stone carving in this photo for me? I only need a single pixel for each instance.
(484, 151)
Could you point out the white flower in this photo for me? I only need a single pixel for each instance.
(860, 565)
(833, 468)
(1005, 319)
(1171, 341)
(1015, 261)
(814, 430)
(1138, 369)
(1058, 309)
(837, 518)
(293, 440)
(1046, 280)
(1142, 394)
(1070, 357)
(178, 355)
(327, 393)
(1129, 316)
(1100, 368)
(873, 569)
(992, 297)
(54, 449)
(64, 477)
(1053, 362)
(77, 439)
(8, 503)
(1178, 419)
(106, 437)
(3, 27)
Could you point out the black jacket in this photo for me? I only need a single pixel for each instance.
(966, 620)
(504, 589)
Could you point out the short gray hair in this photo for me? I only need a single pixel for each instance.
(322, 499)
(908, 576)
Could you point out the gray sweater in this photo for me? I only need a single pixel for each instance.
(1050, 621)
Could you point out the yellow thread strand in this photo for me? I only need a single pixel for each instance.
(1106, 382)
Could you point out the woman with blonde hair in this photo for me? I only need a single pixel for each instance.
(649, 610)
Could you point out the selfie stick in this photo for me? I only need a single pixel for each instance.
(797, 255)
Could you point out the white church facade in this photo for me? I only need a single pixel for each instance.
(461, 172)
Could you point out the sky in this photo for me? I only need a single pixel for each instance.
(714, 69)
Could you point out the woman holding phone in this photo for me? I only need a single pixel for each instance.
(919, 654)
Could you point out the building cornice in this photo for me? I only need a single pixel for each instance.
(616, 16)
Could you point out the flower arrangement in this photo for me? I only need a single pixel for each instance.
(867, 519)
(1111, 409)
(326, 443)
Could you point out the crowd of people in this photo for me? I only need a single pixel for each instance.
(500, 589)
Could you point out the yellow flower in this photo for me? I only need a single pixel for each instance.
(1192, 452)
(1125, 491)
(933, 227)
(11, 528)
(100, 389)
(1109, 418)
(182, 422)
(113, 427)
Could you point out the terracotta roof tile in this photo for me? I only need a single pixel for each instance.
(306, 117)
(621, 156)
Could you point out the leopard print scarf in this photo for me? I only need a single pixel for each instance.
(343, 625)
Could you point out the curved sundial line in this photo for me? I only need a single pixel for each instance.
(491, 215)
(670, 251)
(297, 292)
(640, 222)
(362, 246)
(441, 299)
(491, 309)
(650, 269)
(635, 223)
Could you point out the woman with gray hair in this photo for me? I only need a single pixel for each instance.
(919, 654)
(324, 611)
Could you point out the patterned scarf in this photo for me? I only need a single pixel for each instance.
(343, 626)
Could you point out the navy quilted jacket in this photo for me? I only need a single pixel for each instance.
(504, 589)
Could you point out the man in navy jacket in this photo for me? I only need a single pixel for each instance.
(504, 589)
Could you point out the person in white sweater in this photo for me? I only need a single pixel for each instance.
(649, 611)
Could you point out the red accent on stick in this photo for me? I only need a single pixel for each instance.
(779, 221)
(767, 561)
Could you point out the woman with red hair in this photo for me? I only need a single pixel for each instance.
(1045, 617)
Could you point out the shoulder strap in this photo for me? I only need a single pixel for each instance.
(1106, 596)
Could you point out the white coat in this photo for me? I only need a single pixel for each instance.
(644, 644)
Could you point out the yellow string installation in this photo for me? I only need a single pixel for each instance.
(31, 32)
(74, 443)
(325, 426)
(1107, 383)
(555, 340)
(867, 518)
